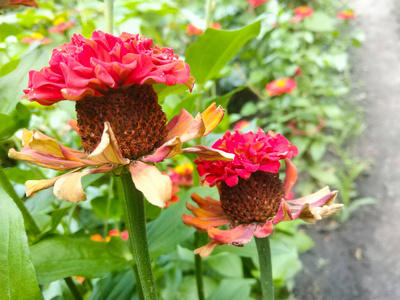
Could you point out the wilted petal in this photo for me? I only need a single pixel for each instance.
(69, 186)
(291, 175)
(155, 186)
(205, 223)
(264, 230)
(212, 117)
(207, 249)
(246, 237)
(226, 236)
(209, 154)
(186, 127)
(108, 151)
(167, 150)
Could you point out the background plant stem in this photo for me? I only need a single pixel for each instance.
(199, 269)
(109, 15)
(72, 287)
(136, 223)
(30, 223)
(264, 256)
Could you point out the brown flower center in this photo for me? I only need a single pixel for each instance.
(255, 199)
(136, 119)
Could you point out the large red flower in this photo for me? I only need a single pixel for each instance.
(93, 67)
(253, 152)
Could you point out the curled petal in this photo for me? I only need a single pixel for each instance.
(226, 236)
(291, 175)
(207, 203)
(186, 127)
(205, 223)
(246, 237)
(167, 150)
(207, 249)
(156, 187)
(202, 213)
(212, 117)
(69, 186)
(207, 153)
(264, 230)
(108, 151)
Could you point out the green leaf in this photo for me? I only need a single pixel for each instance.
(233, 289)
(21, 176)
(8, 67)
(17, 275)
(12, 84)
(164, 90)
(227, 264)
(319, 22)
(215, 48)
(106, 209)
(56, 257)
(317, 150)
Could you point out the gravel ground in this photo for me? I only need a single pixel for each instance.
(361, 259)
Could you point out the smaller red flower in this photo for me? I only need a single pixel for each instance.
(298, 72)
(216, 25)
(256, 3)
(346, 15)
(61, 27)
(36, 38)
(16, 3)
(301, 12)
(281, 86)
(193, 30)
(253, 152)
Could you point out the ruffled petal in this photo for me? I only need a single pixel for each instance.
(155, 186)
(204, 223)
(170, 148)
(186, 127)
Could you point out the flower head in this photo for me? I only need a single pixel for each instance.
(346, 15)
(193, 30)
(256, 202)
(16, 3)
(301, 12)
(121, 127)
(253, 152)
(100, 65)
(280, 86)
(256, 3)
(61, 27)
(36, 38)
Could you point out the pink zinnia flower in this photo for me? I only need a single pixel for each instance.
(256, 3)
(281, 86)
(120, 123)
(61, 27)
(36, 38)
(252, 197)
(346, 15)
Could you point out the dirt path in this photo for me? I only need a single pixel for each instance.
(361, 260)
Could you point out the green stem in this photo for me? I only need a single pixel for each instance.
(208, 17)
(72, 287)
(264, 256)
(30, 223)
(136, 223)
(199, 270)
(139, 288)
(109, 15)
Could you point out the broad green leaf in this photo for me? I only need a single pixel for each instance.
(17, 275)
(21, 176)
(227, 264)
(318, 149)
(163, 90)
(19, 118)
(233, 289)
(248, 250)
(106, 208)
(8, 67)
(119, 286)
(56, 257)
(319, 22)
(12, 84)
(215, 48)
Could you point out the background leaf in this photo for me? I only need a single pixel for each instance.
(17, 275)
(215, 48)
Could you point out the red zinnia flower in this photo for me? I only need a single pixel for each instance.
(61, 27)
(252, 197)
(301, 12)
(193, 30)
(120, 122)
(346, 15)
(256, 3)
(281, 86)
(16, 3)
(36, 38)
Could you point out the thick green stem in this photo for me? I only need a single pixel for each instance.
(264, 256)
(139, 289)
(136, 223)
(72, 287)
(109, 15)
(199, 269)
(30, 223)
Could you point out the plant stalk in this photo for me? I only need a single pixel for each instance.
(139, 289)
(30, 223)
(136, 223)
(72, 287)
(109, 15)
(199, 269)
(264, 256)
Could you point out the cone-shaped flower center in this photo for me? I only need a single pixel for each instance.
(255, 199)
(136, 119)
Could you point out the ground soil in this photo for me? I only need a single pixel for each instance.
(361, 259)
